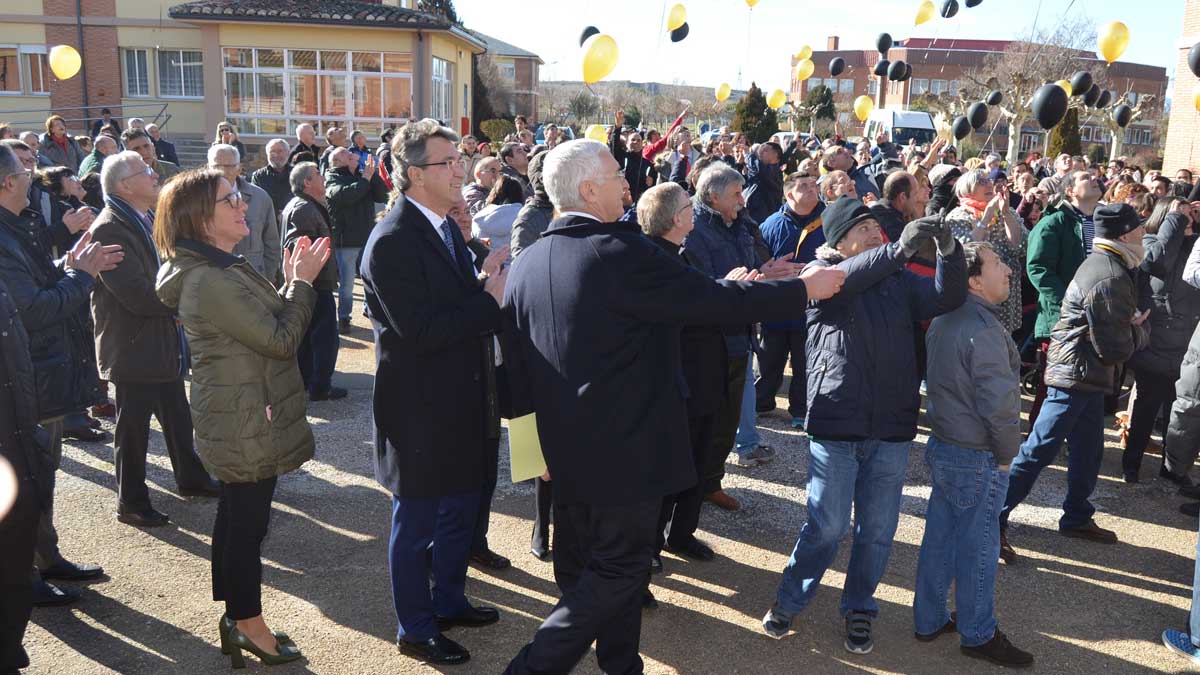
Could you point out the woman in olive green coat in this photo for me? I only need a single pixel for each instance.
(247, 398)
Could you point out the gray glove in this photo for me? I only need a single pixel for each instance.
(945, 240)
(918, 232)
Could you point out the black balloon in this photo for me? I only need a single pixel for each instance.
(881, 68)
(1105, 98)
(949, 9)
(907, 72)
(680, 33)
(896, 70)
(1122, 114)
(1081, 82)
(587, 33)
(961, 127)
(994, 97)
(1092, 95)
(1194, 59)
(836, 65)
(883, 43)
(972, 3)
(977, 115)
(1050, 105)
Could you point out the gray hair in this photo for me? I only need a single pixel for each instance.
(301, 127)
(567, 166)
(410, 147)
(657, 208)
(277, 141)
(300, 175)
(216, 150)
(9, 163)
(103, 139)
(116, 169)
(716, 179)
(134, 121)
(26, 135)
(150, 126)
(484, 164)
(967, 182)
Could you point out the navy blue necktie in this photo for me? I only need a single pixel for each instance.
(448, 238)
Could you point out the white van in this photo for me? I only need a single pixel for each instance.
(900, 125)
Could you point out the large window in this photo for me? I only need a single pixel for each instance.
(443, 89)
(137, 78)
(23, 70)
(180, 73)
(920, 86)
(846, 86)
(272, 91)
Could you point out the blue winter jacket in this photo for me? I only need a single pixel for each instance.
(862, 366)
(719, 248)
(781, 230)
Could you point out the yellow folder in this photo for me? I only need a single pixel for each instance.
(525, 450)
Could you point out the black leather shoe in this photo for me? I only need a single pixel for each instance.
(540, 555)
(49, 595)
(1191, 509)
(85, 434)
(656, 565)
(1181, 481)
(69, 571)
(332, 394)
(491, 560)
(208, 489)
(438, 650)
(692, 550)
(474, 617)
(648, 600)
(147, 518)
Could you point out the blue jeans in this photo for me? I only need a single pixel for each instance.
(961, 543)
(868, 475)
(747, 434)
(1194, 617)
(347, 262)
(1078, 418)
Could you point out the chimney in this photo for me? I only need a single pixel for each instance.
(831, 43)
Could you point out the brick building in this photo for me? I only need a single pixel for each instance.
(1183, 127)
(939, 66)
(521, 68)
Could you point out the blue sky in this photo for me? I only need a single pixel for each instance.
(718, 46)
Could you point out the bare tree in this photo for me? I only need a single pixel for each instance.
(1148, 105)
(583, 106)
(499, 88)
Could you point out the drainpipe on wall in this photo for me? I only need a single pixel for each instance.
(83, 70)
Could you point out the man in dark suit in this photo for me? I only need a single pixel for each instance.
(163, 149)
(598, 310)
(435, 404)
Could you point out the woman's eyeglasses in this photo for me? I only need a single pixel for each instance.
(234, 199)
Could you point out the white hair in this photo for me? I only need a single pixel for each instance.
(103, 139)
(215, 150)
(967, 183)
(27, 135)
(117, 168)
(715, 179)
(277, 141)
(302, 127)
(567, 166)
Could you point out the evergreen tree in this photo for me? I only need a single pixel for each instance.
(753, 118)
(818, 105)
(442, 8)
(1065, 137)
(633, 116)
(481, 102)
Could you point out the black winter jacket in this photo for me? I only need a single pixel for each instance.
(1174, 305)
(352, 201)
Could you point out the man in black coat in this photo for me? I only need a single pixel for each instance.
(598, 309)
(163, 149)
(435, 404)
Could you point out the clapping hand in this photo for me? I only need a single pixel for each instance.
(495, 260)
(369, 167)
(743, 274)
(92, 257)
(306, 259)
(780, 268)
(78, 219)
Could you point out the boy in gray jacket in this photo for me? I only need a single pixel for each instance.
(974, 408)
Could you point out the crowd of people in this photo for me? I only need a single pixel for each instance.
(643, 297)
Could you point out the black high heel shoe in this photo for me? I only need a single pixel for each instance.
(226, 623)
(238, 643)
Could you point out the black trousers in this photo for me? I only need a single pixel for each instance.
(243, 513)
(725, 425)
(681, 511)
(1155, 394)
(601, 564)
(479, 542)
(543, 500)
(135, 404)
(318, 351)
(19, 532)
(777, 346)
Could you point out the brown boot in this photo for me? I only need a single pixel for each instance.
(1008, 554)
(1091, 532)
(723, 500)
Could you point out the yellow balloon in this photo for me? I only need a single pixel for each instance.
(777, 99)
(1066, 85)
(925, 12)
(804, 69)
(751, 3)
(596, 132)
(599, 57)
(1196, 101)
(723, 92)
(64, 61)
(863, 105)
(1113, 41)
(804, 53)
(677, 17)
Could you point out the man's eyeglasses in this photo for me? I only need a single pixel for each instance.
(234, 199)
(450, 164)
(28, 173)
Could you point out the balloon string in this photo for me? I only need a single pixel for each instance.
(661, 21)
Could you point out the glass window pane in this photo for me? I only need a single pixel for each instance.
(245, 125)
(239, 92)
(239, 58)
(367, 93)
(304, 95)
(10, 70)
(846, 86)
(193, 73)
(272, 126)
(37, 73)
(302, 58)
(371, 129)
(366, 62)
(270, 58)
(397, 98)
(333, 95)
(170, 75)
(397, 63)
(333, 60)
(270, 94)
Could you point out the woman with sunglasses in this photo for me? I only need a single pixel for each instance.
(227, 134)
(247, 397)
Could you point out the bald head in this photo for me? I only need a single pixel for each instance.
(105, 145)
(342, 158)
